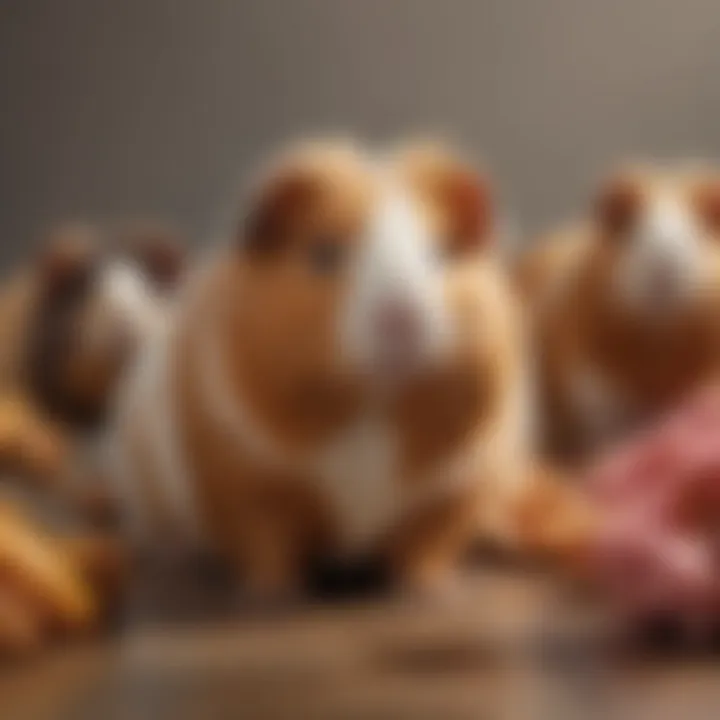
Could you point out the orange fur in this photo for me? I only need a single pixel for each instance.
(28, 441)
(272, 326)
(48, 580)
(51, 585)
(566, 278)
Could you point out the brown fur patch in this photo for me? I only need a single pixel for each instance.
(317, 193)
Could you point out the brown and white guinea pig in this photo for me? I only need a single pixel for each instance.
(344, 379)
(627, 303)
(69, 323)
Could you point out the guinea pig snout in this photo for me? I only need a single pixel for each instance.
(662, 277)
(665, 261)
(660, 280)
(400, 336)
(397, 325)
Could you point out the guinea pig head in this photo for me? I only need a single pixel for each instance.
(351, 255)
(660, 236)
(431, 216)
(98, 299)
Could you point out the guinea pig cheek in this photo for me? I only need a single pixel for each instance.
(662, 264)
(395, 319)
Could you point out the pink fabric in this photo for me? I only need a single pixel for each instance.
(650, 557)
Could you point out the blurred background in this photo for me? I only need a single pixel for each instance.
(161, 106)
(126, 108)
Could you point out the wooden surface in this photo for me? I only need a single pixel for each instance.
(506, 646)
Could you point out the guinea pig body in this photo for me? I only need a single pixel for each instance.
(346, 379)
(627, 305)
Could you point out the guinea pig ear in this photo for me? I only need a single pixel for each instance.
(462, 196)
(273, 212)
(618, 205)
(469, 200)
(708, 204)
(68, 260)
(160, 251)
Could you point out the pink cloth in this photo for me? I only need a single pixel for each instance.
(657, 549)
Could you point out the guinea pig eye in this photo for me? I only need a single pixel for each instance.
(325, 256)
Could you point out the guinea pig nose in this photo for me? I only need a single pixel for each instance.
(664, 278)
(396, 322)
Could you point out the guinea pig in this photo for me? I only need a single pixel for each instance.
(626, 304)
(69, 323)
(344, 379)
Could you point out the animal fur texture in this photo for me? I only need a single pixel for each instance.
(626, 304)
(345, 377)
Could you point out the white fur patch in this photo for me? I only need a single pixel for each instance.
(663, 262)
(126, 303)
(397, 267)
(147, 397)
(358, 472)
(119, 467)
(129, 293)
(171, 465)
(152, 394)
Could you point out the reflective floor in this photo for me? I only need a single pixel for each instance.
(506, 646)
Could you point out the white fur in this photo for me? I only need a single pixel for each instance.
(666, 240)
(129, 298)
(121, 471)
(147, 398)
(358, 472)
(126, 301)
(129, 293)
(153, 395)
(171, 466)
(397, 265)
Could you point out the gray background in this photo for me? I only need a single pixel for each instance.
(116, 107)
